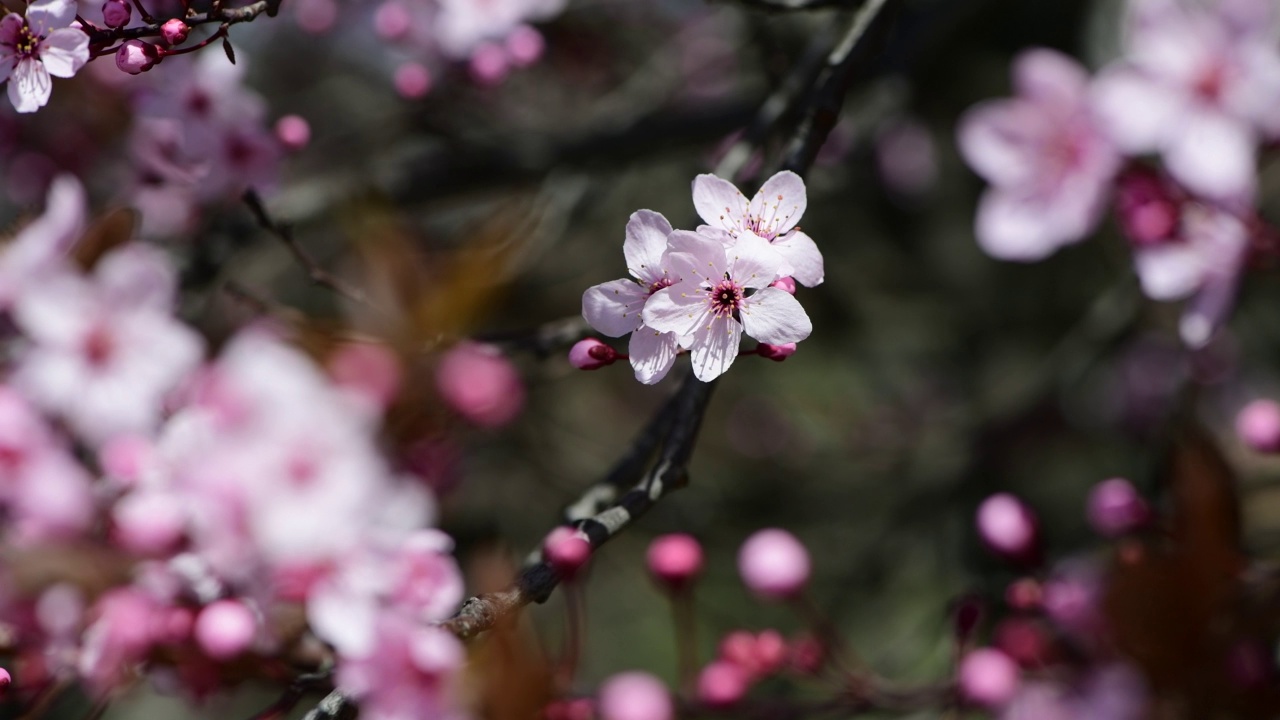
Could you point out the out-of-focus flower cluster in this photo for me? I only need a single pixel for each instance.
(1198, 88)
(701, 290)
(215, 505)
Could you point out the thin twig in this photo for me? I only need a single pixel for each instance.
(284, 233)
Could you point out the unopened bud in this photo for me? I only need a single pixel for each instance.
(988, 677)
(116, 13)
(777, 353)
(174, 31)
(774, 564)
(722, 684)
(675, 560)
(1008, 527)
(1258, 426)
(1115, 508)
(136, 56)
(591, 354)
(567, 551)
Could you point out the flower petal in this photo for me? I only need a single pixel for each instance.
(613, 308)
(693, 256)
(47, 15)
(802, 254)
(1135, 111)
(778, 205)
(715, 347)
(1012, 226)
(1214, 155)
(719, 203)
(753, 262)
(680, 308)
(647, 233)
(64, 52)
(29, 86)
(773, 316)
(652, 353)
(1049, 76)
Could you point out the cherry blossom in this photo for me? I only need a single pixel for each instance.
(772, 214)
(1199, 85)
(40, 249)
(35, 46)
(411, 671)
(104, 350)
(614, 308)
(1049, 165)
(713, 304)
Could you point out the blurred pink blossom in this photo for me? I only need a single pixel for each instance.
(1049, 164)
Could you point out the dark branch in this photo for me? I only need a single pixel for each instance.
(284, 233)
(100, 37)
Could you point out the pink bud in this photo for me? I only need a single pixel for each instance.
(174, 31)
(770, 652)
(1258, 425)
(480, 384)
(489, 64)
(777, 353)
(774, 564)
(722, 684)
(988, 677)
(675, 560)
(524, 46)
(635, 696)
(412, 81)
(392, 20)
(567, 551)
(136, 56)
(5, 679)
(1115, 508)
(148, 523)
(293, 132)
(225, 628)
(1148, 212)
(786, 283)
(1008, 527)
(739, 648)
(116, 13)
(591, 354)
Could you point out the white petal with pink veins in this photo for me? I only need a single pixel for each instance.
(29, 86)
(64, 52)
(754, 262)
(802, 254)
(693, 256)
(715, 347)
(773, 316)
(719, 202)
(1214, 155)
(652, 354)
(47, 15)
(778, 205)
(647, 233)
(613, 308)
(681, 308)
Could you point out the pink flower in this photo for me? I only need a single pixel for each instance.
(40, 249)
(1199, 86)
(481, 384)
(1202, 261)
(39, 45)
(105, 351)
(1049, 165)
(711, 306)
(614, 308)
(772, 214)
(410, 671)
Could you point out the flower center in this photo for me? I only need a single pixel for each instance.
(726, 298)
(27, 41)
(98, 347)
